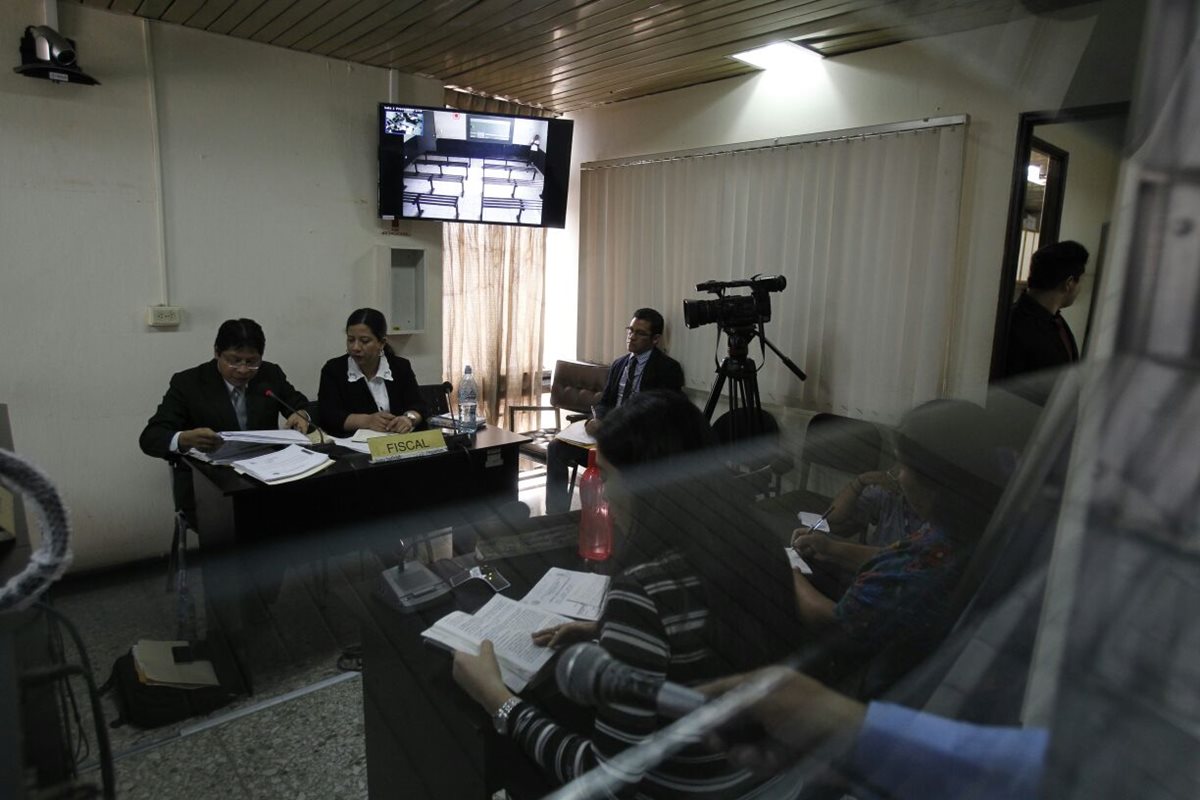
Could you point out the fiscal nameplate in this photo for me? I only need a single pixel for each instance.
(406, 445)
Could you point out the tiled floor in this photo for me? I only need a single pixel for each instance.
(308, 745)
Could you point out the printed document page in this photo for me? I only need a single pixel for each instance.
(510, 625)
(291, 463)
(570, 593)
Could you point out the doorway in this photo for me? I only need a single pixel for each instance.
(1048, 203)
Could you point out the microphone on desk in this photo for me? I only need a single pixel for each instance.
(448, 389)
(291, 410)
(588, 675)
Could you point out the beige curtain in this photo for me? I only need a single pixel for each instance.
(492, 294)
(864, 227)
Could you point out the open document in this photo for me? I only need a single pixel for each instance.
(292, 463)
(510, 625)
(576, 434)
(570, 593)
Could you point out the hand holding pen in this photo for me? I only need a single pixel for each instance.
(810, 542)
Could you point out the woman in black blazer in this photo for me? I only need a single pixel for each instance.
(369, 387)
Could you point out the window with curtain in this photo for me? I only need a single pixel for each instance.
(863, 226)
(492, 287)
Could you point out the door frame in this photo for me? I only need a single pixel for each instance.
(1027, 122)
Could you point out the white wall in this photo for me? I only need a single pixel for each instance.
(269, 175)
(992, 75)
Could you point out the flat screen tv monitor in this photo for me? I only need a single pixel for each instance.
(460, 166)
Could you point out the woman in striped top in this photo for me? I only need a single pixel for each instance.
(702, 594)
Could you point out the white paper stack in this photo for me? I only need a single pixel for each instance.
(272, 436)
(292, 463)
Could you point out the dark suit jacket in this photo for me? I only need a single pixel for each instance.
(338, 398)
(661, 372)
(1033, 339)
(198, 398)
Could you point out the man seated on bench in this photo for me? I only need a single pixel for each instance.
(643, 367)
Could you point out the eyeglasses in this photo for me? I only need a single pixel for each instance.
(242, 363)
(632, 334)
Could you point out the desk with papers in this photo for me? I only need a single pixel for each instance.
(425, 737)
(350, 504)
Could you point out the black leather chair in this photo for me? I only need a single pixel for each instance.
(833, 443)
(574, 389)
(435, 398)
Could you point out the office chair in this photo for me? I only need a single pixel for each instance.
(575, 388)
(759, 463)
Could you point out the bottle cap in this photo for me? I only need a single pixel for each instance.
(467, 369)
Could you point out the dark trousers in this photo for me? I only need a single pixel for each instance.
(560, 457)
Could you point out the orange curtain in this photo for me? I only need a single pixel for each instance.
(492, 309)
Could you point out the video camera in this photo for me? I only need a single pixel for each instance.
(735, 311)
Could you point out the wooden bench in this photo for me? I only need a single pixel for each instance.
(521, 205)
(420, 200)
(508, 166)
(431, 177)
(511, 184)
(441, 162)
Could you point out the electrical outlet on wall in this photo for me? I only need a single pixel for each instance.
(164, 316)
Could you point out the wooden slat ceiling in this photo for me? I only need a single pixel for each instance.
(565, 55)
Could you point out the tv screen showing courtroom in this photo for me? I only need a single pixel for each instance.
(445, 164)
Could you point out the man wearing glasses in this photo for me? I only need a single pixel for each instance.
(642, 368)
(226, 393)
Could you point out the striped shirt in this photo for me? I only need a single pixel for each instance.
(654, 619)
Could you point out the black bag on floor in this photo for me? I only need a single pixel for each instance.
(152, 706)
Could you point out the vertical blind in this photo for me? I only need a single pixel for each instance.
(863, 226)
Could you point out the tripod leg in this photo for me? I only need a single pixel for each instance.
(715, 394)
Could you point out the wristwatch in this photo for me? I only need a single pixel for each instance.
(412, 415)
(500, 718)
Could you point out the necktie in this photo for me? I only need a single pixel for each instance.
(239, 406)
(628, 390)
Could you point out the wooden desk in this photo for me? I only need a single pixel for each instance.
(425, 737)
(353, 504)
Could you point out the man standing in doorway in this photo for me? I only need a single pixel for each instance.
(643, 367)
(1038, 336)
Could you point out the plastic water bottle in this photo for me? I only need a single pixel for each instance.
(468, 398)
(595, 524)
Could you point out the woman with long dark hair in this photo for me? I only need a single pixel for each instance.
(700, 593)
(369, 387)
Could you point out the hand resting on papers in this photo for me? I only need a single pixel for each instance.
(566, 634)
(204, 439)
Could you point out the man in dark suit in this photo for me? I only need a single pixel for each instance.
(1038, 336)
(643, 367)
(227, 393)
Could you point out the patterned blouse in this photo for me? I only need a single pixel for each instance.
(903, 593)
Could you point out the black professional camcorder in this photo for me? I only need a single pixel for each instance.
(736, 311)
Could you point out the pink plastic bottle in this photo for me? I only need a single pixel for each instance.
(595, 525)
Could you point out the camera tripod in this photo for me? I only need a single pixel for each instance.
(746, 419)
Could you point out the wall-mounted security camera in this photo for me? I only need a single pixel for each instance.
(46, 53)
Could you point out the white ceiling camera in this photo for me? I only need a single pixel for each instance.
(46, 53)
